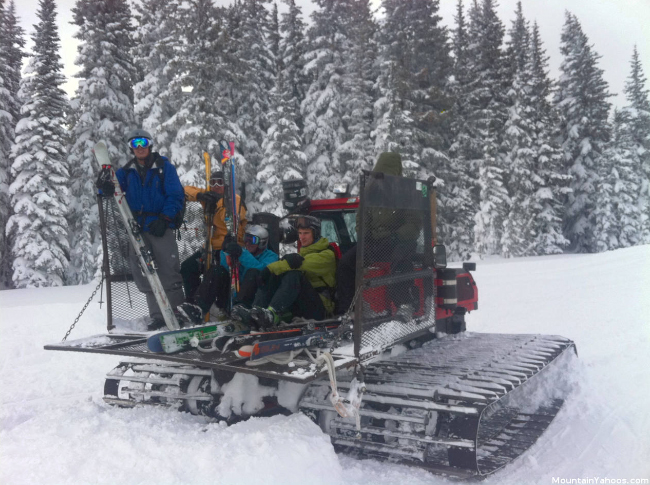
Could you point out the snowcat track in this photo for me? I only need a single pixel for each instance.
(462, 406)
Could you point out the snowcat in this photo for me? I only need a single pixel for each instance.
(418, 390)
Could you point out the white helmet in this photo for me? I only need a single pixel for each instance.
(257, 235)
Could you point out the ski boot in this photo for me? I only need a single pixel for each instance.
(190, 314)
(265, 318)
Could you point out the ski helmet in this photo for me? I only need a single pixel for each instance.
(139, 133)
(257, 235)
(309, 222)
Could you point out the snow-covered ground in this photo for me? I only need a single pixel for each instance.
(56, 429)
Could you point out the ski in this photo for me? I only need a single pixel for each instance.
(184, 339)
(145, 258)
(230, 207)
(259, 350)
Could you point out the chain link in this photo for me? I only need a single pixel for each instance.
(84, 308)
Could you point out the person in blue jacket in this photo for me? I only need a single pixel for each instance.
(216, 284)
(156, 199)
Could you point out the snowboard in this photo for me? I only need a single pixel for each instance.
(145, 258)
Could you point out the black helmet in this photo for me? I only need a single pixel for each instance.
(308, 222)
(139, 133)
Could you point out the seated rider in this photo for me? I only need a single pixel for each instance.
(216, 284)
(212, 201)
(301, 283)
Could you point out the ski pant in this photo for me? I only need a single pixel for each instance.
(394, 252)
(191, 270)
(291, 291)
(165, 253)
(216, 287)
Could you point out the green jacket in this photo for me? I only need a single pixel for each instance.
(319, 267)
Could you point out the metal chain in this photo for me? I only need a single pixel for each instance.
(346, 320)
(83, 309)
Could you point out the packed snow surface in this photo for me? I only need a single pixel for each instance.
(57, 429)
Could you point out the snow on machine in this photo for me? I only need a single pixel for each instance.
(395, 378)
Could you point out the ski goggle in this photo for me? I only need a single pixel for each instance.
(251, 239)
(216, 182)
(140, 143)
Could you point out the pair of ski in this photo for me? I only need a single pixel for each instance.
(229, 336)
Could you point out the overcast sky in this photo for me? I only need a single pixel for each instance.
(613, 27)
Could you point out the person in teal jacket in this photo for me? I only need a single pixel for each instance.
(216, 284)
(300, 283)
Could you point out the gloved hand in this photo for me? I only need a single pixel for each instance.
(294, 260)
(263, 277)
(105, 182)
(210, 199)
(158, 227)
(233, 249)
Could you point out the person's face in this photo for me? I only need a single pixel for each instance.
(306, 237)
(141, 153)
(216, 185)
(251, 248)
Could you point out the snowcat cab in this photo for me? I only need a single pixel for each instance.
(418, 389)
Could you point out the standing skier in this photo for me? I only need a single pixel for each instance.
(212, 201)
(155, 196)
(216, 284)
(301, 283)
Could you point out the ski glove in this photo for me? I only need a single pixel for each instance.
(105, 182)
(158, 227)
(294, 260)
(210, 200)
(233, 249)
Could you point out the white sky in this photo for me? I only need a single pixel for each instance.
(613, 27)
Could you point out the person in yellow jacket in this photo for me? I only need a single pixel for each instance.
(191, 268)
(301, 283)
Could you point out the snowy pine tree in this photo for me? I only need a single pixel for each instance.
(457, 200)
(322, 108)
(11, 54)
(283, 155)
(103, 110)
(582, 102)
(39, 192)
(158, 42)
(616, 217)
(637, 115)
(486, 118)
(356, 151)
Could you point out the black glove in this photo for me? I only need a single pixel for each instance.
(158, 227)
(210, 199)
(105, 182)
(263, 277)
(294, 260)
(233, 249)
(227, 239)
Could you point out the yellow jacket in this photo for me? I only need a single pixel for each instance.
(218, 221)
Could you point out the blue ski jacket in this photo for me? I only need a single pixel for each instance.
(248, 261)
(158, 194)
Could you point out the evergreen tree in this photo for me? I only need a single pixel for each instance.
(39, 193)
(11, 54)
(617, 217)
(356, 151)
(412, 90)
(293, 46)
(456, 195)
(283, 155)
(103, 110)
(637, 115)
(322, 108)
(252, 95)
(533, 225)
(208, 75)
(487, 117)
(582, 103)
(158, 41)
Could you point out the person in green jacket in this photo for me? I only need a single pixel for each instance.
(301, 283)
